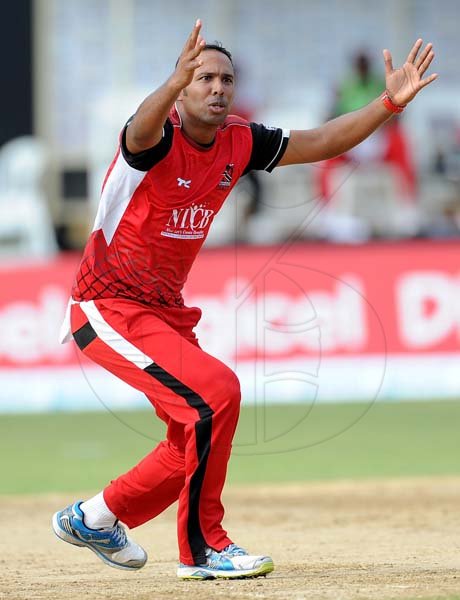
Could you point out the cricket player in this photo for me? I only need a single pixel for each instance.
(179, 157)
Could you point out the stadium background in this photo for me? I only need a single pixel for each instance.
(347, 345)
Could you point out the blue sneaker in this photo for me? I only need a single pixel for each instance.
(111, 545)
(232, 562)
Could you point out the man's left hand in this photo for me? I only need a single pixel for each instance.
(404, 84)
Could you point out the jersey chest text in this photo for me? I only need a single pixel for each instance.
(188, 195)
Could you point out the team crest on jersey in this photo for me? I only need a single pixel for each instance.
(190, 223)
(227, 176)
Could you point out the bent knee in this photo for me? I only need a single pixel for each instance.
(225, 390)
(232, 387)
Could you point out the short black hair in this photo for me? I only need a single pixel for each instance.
(220, 48)
(215, 46)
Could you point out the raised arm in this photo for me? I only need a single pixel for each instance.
(145, 130)
(339, 135)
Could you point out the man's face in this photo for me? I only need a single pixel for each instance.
(209, 97)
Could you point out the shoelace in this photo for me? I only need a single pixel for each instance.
(234, 550)
(215, 559)
(119, 535)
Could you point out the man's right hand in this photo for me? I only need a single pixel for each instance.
(146, 128)
(189, 59)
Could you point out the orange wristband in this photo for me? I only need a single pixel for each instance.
(390, 105)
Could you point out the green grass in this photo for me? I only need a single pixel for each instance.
(83, 451)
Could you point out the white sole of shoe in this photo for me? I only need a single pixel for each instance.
(71, 539)
(200, 573)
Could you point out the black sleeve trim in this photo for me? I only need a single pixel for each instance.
(268, 146)
(145, 160)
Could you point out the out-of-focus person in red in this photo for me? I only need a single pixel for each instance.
(251, 183)
(388, 145)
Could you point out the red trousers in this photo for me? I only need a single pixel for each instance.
(397, 153)
(196, 395)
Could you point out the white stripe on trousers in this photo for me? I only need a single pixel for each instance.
(112, 338)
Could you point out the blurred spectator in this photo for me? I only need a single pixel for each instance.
(250, 184)
(452, 160)
(446, 224)
(387, 146)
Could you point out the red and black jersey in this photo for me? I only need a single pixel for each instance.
(157, 206)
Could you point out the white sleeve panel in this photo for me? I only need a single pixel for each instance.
(118, 191)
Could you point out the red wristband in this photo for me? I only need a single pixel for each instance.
(390, 105)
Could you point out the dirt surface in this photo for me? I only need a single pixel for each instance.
(378, 540)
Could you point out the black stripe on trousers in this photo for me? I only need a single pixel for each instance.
(203, 432)
(84, 336)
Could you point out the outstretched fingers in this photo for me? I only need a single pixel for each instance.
(426, 63)
(192, 40)
(427, 80)
(388, 61)
(422, 63)
(414, 51)
(200, 44)
(423, 55)
(195, 42)
(193, 47)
